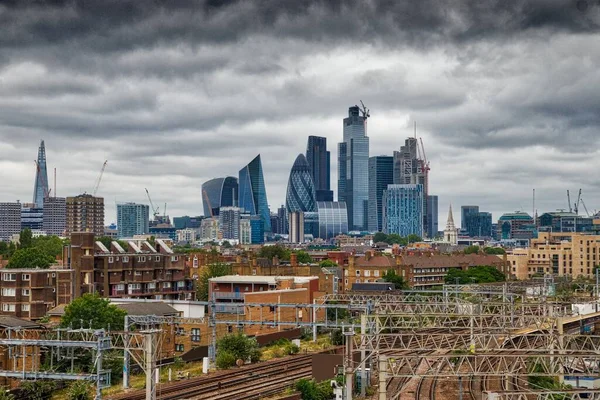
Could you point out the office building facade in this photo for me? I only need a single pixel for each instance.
(476, 223)
(10, 220)
(229, 222)
(353, 169)
(466, 214)
(32, 218)
(209, 229)
(217, 193)
(40, 188)
(333, 219)
(85, 213)
(132, 219)
(381, 174)
(55, 216)
(517, 225)
(319, 161)
(432, 218)
(252, 192)
(403, 210)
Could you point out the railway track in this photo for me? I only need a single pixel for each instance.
(249, 382)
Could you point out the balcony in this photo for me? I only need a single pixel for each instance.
(228, 295)
(224, 309)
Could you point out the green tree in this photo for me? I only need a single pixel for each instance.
(240, 346)
(3, 248)
(380, 237)
(37, 390)
(92, 311)
(471, 250)
(6, 395)
(31, 257)
(51, 245)
(225, 359)
(226, 244)
(303, 257)
(394, 238)
(327, 264)
(478, 274)
(310, 390)
(398, 281)
(80, 390)
(25, 239)
(412, 238)
(278, 251)
(494, 250)
(213, 270)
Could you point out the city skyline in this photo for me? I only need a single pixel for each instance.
(490, 138)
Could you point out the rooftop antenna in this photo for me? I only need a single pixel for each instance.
(55, 182)
(415, 129)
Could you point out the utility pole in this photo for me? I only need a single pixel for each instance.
(348, 364)
(150, 365)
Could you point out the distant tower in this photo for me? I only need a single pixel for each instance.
(450, 233)
(40, 189)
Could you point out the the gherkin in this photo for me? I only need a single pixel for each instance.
(301, 189)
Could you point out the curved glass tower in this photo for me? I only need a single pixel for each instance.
(252, 192)
(217, 193)
(301, 189)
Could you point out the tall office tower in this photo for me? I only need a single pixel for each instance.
(319, 162)
(410, 167)
(55, 216)
(85, 213)
(229, 222)
(353, 169)
(32, 218)
(333, 219)
(432, 218)
(132, 219)
(40, 189)
(300, 195)
(252, 192)
(466, 214)
(275, 224)
(403, 209)
(296, 224)
(282, 220)
(381, 174)
(217, 193)
(450, 233)
(10, 220)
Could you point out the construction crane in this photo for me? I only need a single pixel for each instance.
(45, 182)
(155, 211)
(97, 185)
(585, 208)
(569, 201)
(366, 113)
(576, 205)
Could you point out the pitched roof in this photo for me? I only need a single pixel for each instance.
(142, 308)
(7, 321)
(450, 260)
(374, 261)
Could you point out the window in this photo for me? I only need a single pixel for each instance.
(376, 272)
(157, 258)
(125, 259)
(25, 277)
(138, 273)
(195, 334)
(367, 273)
(179, 331)
(9, 277)
(111, 260)
(174, 258)
(8, 307)
(152, 285)
(166, 285)
(179, 347)
(9, 292)
(357, 273)
(26, 292)
(24, 307)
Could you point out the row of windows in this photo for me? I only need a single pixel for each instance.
(141, 259)
(368, 272)
(12, 307)
(11, 277)
(11, 292)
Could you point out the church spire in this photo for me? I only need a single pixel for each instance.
(450, 233)
(450, 223)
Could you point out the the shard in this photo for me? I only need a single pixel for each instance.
(40, 190)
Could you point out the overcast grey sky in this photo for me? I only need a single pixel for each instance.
(174, 93)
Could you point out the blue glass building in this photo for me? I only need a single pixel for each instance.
(217, 193)
(353, 169)
(319, 160)
(432, 216)
(252, 192)
(300, 194)
(40, 189)
(132, 219)
(381, 174)
(257, 230)
(333, 219)
(403, 209)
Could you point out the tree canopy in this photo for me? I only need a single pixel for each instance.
(211, 271)
(327, 264)
(236, 346)
(303, 257)
(92, 311)
(274, 251)
(471, 250)
(25, 239)
(394, 238)
(30, 257)
(494, 250)
(479, 274)
(398, 281)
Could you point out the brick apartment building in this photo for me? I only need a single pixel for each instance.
(142, 271)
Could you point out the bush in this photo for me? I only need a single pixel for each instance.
(241, 346)
(292, 349)
(225, 360)
(80, 390)
(37, 390)
(5, 395)
(311, 390)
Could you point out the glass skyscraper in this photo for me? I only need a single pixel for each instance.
(252, 193)
(353, 169)
(381, 174)
(333, 219)
(217, 193)
(132, 219)
(403, 209)
(432, 218)
(319, 162)
(475, 223)
(40, 189)
(300, 194)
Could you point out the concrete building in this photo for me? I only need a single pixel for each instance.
(561, 221)
(132, 219)
(296, 227)
(451, 232)
(558, 253)
(353, 169)
(10, 220)
(186, 235)
(229, 222)
(403, 209)
(85, 213)
(381, 174)
(32, 218)
(209, 229)
(55, 216)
